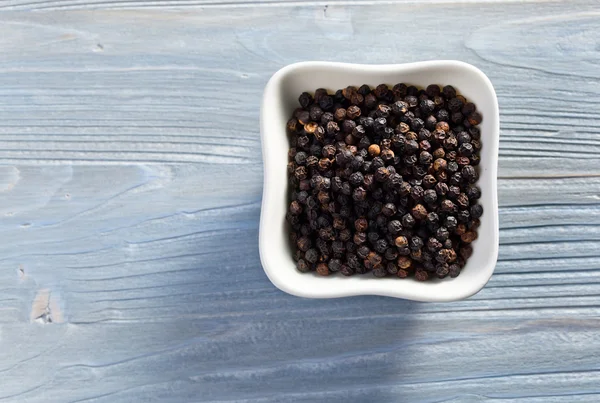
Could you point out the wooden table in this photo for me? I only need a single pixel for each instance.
(131, 182)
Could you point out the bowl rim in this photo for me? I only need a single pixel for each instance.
(286, 286)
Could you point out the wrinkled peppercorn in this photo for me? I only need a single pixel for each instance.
(383, 180)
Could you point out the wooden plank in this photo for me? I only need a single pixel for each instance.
(131, 181)
(129, 4)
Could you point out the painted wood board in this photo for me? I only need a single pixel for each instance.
(131, 179)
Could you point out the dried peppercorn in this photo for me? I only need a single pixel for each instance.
(476, 211)
(430, 196)
(376, 174)
(421, 275)
(322, 269)
(374, 150)
(381, 90)
(468, 237)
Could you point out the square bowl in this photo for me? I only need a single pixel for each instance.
(279, 101)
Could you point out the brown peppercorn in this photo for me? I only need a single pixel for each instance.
(447, 206)
(361, 224)
(304, 243)
(348, 91)
(421, 275)
(439, 153)
(310, 127)
(322, 269)
(387, 155)
(460, 230)
(401, 241)
(446, 256)
(292, 125)
(419, 212)
(295, 208)
(443, 126)
(325, 164)
(382, 174)
(374, 150)
(440, 164)
(374, 259)
(353, 112)
(332, 128)
(469, 236)
(300, 173)
(417, 255)
(339, 114)
(402, 128)
(404, 262)
(323, 197)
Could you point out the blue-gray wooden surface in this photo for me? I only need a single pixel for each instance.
(130, 189)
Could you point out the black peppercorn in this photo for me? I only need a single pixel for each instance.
(421, 275)
(411, 100)
(463, 216)
(476, 211)
(374, 168)
(381, 246)
(427, 106)
(430, 196)
(425, 158)
(381, 90)
(469, 174)
(389, 209)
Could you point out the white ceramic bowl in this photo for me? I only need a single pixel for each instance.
(281, 98)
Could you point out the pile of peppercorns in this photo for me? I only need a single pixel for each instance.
(383, 181)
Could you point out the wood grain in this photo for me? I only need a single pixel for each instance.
(128, 4)
(131, 182)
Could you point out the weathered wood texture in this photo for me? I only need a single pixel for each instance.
(179, 4)
(130, 185)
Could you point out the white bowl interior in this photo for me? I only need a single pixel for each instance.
(281, 98)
